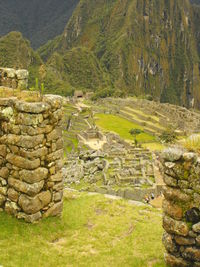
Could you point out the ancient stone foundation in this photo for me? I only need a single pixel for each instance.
(16, 79)
(181, 207)
(31, 155)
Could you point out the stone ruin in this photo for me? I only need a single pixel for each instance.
(117, 168)
(15, 79)
(181, 207)
(31, 155)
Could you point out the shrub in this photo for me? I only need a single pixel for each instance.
(168, 136)
(192, 143)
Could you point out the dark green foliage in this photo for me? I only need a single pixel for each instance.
(168, 136)
(135, 132)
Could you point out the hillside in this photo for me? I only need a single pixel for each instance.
(155, 53)
(39, 21)
(16, 52)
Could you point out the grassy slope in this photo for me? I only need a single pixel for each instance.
(93, 231)
(122, 127)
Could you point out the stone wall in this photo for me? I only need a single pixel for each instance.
(181, 207)
(16, 79)
(31, 156)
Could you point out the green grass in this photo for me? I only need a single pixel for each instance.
(93, 231)
(122, 127)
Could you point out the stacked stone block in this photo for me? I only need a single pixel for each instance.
(181, 207)
(11, 78)
(31, 157)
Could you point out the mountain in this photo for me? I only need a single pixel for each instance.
(39, 21)
(143, 46)
(196, 2)
(16, 52)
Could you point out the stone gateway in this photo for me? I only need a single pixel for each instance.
(31, 155)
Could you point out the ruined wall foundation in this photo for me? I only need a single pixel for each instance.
(15, 79)
(181, 207)
(31, 155)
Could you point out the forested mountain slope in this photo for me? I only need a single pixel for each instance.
(145, 47)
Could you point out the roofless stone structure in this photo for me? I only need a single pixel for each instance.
(31, 154)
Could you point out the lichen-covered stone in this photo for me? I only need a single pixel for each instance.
(23, 162)
(11, 208)
(13, 195)
(175, 227)
(196, 227)
(29, 189)
(38, 107)
(172, 154)
(192, 253)
(175, 261)
(33, 205)
(29, 218)
(175, 195)
(172, 210)
(55, 210)
(34, 176)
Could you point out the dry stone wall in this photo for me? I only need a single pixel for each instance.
(31, 157)
(181, 207)
(11, 78)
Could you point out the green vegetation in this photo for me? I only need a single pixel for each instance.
(192, 143)
(93, 231)
(122, 127)
(168, 136)
(135, 132)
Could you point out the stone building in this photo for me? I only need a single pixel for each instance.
(31, 154)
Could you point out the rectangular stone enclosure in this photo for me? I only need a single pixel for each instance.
(31, 154)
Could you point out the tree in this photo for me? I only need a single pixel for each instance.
(135, 132)
(168, 136)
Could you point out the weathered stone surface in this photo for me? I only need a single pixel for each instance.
(35, 204)
(55, 101)
(55, 210)
(182, 241)
(169, 243)
(34, 176)
(2, 200)
(175, 195)
(3, 151)
(175, 227)
(170, 181)
(30, 218)
(196, 227)
(29, 130)
(22, 162)
(11, 208)
(57, 196)
(24, 141)
(172, 154)
(3, 190)
(29, 189)
(13, 195)
(175, 262)
(4, 172)
(29, 119)
(38, 153)
(57, 177)
(55, 155)
(172, 210)
(192, 254)
(54, 135)
(37, 107)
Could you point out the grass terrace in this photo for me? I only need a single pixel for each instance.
(93, 229)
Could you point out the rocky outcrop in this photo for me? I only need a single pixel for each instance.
(31, 151)
(181, 206)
